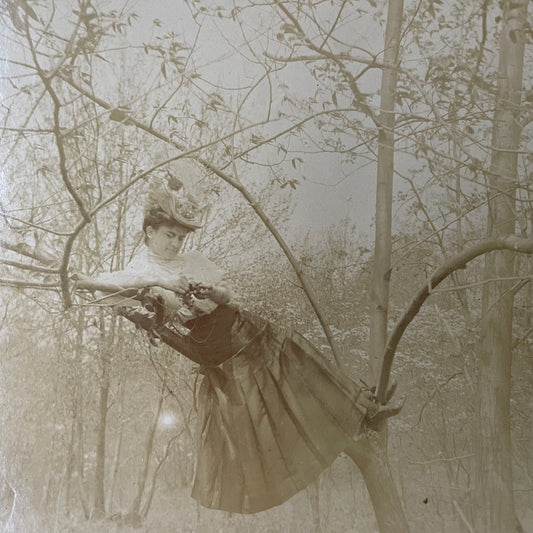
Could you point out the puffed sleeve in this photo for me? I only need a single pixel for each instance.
(200, 269)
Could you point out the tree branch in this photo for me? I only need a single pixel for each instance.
(25, 266)
(247, 196)
(359, 99)
(29, 251)
(46, 79)
(511, 242)
(21, 284)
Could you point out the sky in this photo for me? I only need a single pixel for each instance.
(329, 193)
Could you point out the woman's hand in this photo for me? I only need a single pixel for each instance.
(203, 306)
(178, 285)
(154, 296)
(218, 293)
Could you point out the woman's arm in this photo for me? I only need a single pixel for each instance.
(125, 282)
(219, 293)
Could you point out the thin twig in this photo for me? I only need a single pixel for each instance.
(431, 396)
(26, 266)
(23, 284)
(29, 251)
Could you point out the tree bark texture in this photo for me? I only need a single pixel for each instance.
(494, 510)
(99, 482)
(379, 295)
(370, 455)
(148, 451)
(371, 458)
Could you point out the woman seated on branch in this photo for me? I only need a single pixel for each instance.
(273, 412)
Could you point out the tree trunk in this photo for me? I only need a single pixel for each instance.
(494, 510)
(99, 482)
(77, 416)
(99, 489)
(313, 496)
(379, 288)
(118, 449)
(81, 467)
(370, 455)
(70, 468)
(148, 450)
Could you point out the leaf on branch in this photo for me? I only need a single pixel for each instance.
(119, 114)
(290, 28)
(85, 77)
(295, 160)
(18, 23)
(43, 170)
(291, 183)
(28, 9)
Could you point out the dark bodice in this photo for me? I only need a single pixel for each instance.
(213, 338)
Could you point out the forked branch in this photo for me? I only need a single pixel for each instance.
(511, 242)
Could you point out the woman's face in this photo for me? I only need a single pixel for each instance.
(166, 241)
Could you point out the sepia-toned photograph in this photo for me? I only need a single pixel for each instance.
(266, 266)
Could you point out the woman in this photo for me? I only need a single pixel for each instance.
(273, 413)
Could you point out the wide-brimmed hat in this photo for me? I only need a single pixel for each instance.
(167, 195)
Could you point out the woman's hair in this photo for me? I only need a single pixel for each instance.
(157, 218)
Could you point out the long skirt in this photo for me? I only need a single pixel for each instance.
(271, 419)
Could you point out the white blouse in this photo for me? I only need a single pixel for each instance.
(148, 267)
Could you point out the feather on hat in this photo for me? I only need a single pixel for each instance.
(169, 196)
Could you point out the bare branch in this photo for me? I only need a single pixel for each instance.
(359, 99)
(29, 251)
(334, 25)
(46, 79)
(511, 242)
(519, 341)
(437, 389)
(22, 284)
(25, 266)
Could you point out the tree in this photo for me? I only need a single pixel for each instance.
(495, 509)
(374, 462)
(256, 140)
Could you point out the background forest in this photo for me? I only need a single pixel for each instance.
(353, 155)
